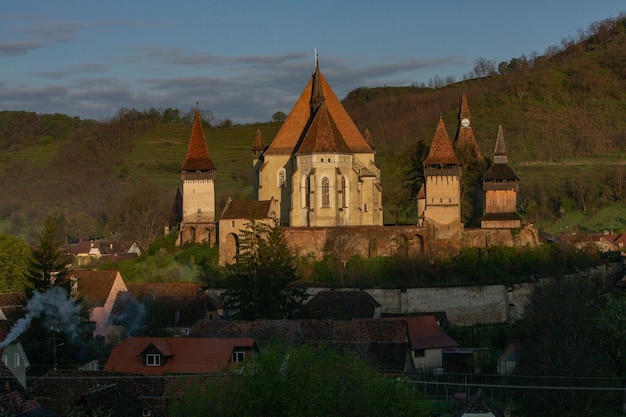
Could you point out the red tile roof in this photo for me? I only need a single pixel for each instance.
(197, 153)
(247, 210)
(95, 285)
(323, 135)
(158, 290)
(258, 144)
(295, 126)
(441, 152)
(425, 333)
(464, 111)
(184, 355)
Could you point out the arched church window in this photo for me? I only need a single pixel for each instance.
(325, 192)
(281, 177)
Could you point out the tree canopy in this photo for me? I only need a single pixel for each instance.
(258, 284)
(15, 259)
(302, 381)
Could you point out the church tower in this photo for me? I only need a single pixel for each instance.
(442, 174)
(319, 167)
(465, 141)
(473, 165)
(500, 184)
(198, 190)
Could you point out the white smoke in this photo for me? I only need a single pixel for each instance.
(130, 313)
(57, 310)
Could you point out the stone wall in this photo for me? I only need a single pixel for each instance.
(365, 241)
(469, 305)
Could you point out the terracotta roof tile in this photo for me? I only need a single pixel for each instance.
(425, 333)
(258, 144)
(188, 355)
(265, 332)
(464, 110)
(197, 153)
(421, 195)
(465, 139)
(159, 290)
(322, 136)
(441, 152)
(95, 286)
(294, 127)
(247, 210)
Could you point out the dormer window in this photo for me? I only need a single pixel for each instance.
(153, 359)
(238, 356)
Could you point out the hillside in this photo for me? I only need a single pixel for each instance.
(562, 115)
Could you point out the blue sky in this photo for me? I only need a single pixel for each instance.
(247, 59)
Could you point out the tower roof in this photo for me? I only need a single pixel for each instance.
(323, 136)
(197, 153)
(500, 170)
(258, 144)
(300, 119)
(464, 111)
(465, 138)
(441, 152)
(500, 149)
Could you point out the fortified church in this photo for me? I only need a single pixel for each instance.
(320, 181)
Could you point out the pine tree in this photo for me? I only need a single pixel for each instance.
(259, 283)
(49, 264)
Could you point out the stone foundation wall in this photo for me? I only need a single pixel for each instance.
(465, 306)
(365, 241)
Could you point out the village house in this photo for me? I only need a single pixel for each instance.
(90, 252)
(427, 340)
(172, 308)
(179, 355)
(98, 289)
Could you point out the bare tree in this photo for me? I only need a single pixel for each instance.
(141, 214)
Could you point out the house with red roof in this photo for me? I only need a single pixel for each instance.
(179, 355)
(427, 340)
(99, 290)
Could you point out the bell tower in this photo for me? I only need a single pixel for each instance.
(197, 176)
(442, 174)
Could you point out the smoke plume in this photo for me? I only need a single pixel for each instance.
(57, 310)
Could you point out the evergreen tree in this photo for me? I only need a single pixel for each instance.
(413, 175)
(258, 284)
(49, 264)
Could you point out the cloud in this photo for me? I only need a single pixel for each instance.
(246, 89)
(72, 71)
(18, 48)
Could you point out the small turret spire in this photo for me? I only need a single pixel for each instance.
(500, 153)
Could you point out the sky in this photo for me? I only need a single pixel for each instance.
(247, 59)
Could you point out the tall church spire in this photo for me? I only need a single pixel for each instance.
(197, 153)
(464, 112)
(465, 142)
(317, 95)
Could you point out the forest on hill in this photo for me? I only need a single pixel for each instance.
(562, 114)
